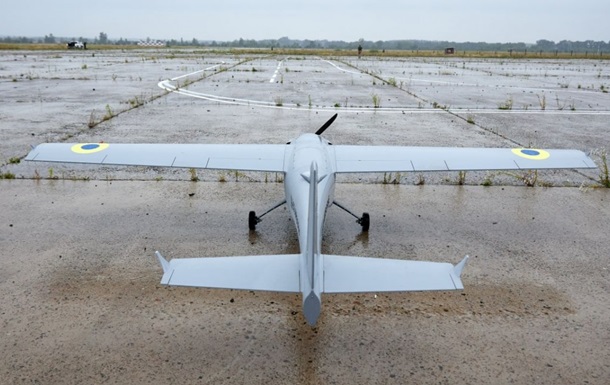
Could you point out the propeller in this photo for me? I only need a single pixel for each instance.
(326, 125)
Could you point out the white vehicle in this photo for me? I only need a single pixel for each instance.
(75, 45)
(309, 164)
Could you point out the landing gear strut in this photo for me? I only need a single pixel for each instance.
(364, 220)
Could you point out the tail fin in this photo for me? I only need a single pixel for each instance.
(312, 223)
(312, 304)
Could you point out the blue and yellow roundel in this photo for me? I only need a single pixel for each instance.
(89, 148)
(530, 153)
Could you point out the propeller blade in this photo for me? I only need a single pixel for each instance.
(326, 125)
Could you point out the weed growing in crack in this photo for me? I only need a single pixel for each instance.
(376, 100)
(529, 177)
(488, 181)
(604, 173)
(461, 178)
(542, 101)
(507, 104)
(109, 113)
(194, 177)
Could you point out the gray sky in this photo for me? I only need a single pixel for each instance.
(453, 20)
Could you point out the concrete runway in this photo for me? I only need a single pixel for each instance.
(81, 301)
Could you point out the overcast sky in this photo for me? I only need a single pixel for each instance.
(222, 20)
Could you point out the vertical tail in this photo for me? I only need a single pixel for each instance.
(311, 300)
(312, 223)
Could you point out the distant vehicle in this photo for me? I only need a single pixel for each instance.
(76, 45)
(309, 164)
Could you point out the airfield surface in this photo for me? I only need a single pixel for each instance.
(81, 300)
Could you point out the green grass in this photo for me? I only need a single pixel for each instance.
(488, 181)
(194, 177)
(604, 174)
(109, 114)
(306, 51)
(529, 177)
(376, 101)
(461, 178)
(507, 104)
(388, 179)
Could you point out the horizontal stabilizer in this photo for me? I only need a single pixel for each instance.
(362, 275)
(256, 272)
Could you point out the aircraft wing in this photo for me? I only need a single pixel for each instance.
(255, 272)
(246, 157)
(365, 275)
(419, 159)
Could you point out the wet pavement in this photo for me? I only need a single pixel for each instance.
(82, 301)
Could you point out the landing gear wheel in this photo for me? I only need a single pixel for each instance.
(365, 222)
(252, 220)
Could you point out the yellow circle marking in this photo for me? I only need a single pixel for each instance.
(89, 148)
(531, 153)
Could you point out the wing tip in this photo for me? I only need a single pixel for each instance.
(457, 269)
(164, 263)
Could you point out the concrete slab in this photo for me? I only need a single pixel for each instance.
(82, 302)
(438, 102)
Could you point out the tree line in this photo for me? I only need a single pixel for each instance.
(542, 45)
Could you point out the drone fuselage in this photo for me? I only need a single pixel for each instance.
(309, 187)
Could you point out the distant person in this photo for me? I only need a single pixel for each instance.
(359, 50)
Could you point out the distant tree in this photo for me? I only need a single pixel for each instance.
(545, 45)
(50, 39)
(103, 39)
(195, 42)
(564, 45)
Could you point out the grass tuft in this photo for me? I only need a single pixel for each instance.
(194, 177)
(507, 104)
(604, 173)
(461, 178)
(376, 101)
